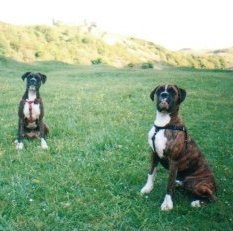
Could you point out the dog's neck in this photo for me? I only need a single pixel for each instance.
(164, 118)
(31, 95)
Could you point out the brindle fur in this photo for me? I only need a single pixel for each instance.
(185, 163)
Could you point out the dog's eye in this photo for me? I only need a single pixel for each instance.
(37, 78)
(160, 90)
(171, 91)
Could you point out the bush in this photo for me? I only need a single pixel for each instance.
(131, 65)
(85, 40)
(38, 54)
(96, 61)
(147, 65)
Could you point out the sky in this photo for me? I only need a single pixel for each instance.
(174, 24)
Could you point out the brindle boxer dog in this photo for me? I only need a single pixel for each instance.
(31, 111)
(177, 151)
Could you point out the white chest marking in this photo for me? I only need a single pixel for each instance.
(35, 112)
(160, 139)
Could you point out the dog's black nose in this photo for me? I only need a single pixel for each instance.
(33, 81)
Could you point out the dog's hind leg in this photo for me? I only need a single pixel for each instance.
(148, 187)
(179, 183)
(203, 192)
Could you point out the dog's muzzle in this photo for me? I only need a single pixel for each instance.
(32, 84)
(163, 105)
(163, 101)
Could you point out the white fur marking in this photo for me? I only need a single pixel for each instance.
(148, 187)
(167, 203)
(179, 183)
(160, 143)
(35, 111)
(161, 120)
(196, 204)
(44, 144)
(165, 90)
(31, 95)
(19, 146)
(35, 107)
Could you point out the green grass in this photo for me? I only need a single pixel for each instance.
(91, 176)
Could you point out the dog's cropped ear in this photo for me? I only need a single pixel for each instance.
(43, 77)
(152, 94)
(25, 75)
(182, 94)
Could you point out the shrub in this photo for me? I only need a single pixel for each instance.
(38, 54)
(85, 40)
(96, 61)
(147, 65)
(131, 65)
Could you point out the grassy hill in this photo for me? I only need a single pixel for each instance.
(86, 44)
(91, 176)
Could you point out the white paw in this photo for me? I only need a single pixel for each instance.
(147, 188)
(19, 146)
(167, 203)
(150, 183)
(44, 144)
(179, 183)
(196, 204)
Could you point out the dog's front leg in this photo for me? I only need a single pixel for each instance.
(19, 141)
(168, 203)
(42, 136)
(148, 187)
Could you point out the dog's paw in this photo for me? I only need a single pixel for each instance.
(167, 203)
(19, 145)
(147, 188)
(179, 183)
(44, 144)
(196, 204)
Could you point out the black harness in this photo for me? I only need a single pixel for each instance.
(171, 127)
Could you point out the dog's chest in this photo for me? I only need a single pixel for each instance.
(159, 141)
(31, 111)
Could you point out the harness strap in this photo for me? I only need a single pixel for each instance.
(174, 128)
(153, 140)
(30, 102)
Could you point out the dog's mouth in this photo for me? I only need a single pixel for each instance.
(163, 106)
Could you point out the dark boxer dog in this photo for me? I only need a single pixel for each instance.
(31, 111)
(176, 151)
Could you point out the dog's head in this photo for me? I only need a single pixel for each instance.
(168, 97)
(34, 80)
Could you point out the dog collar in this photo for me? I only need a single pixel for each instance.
(170, 127)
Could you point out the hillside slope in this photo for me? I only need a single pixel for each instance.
(86, 44)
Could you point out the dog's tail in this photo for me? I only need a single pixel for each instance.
(206, 191)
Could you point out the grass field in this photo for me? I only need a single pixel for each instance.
(98, 156)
